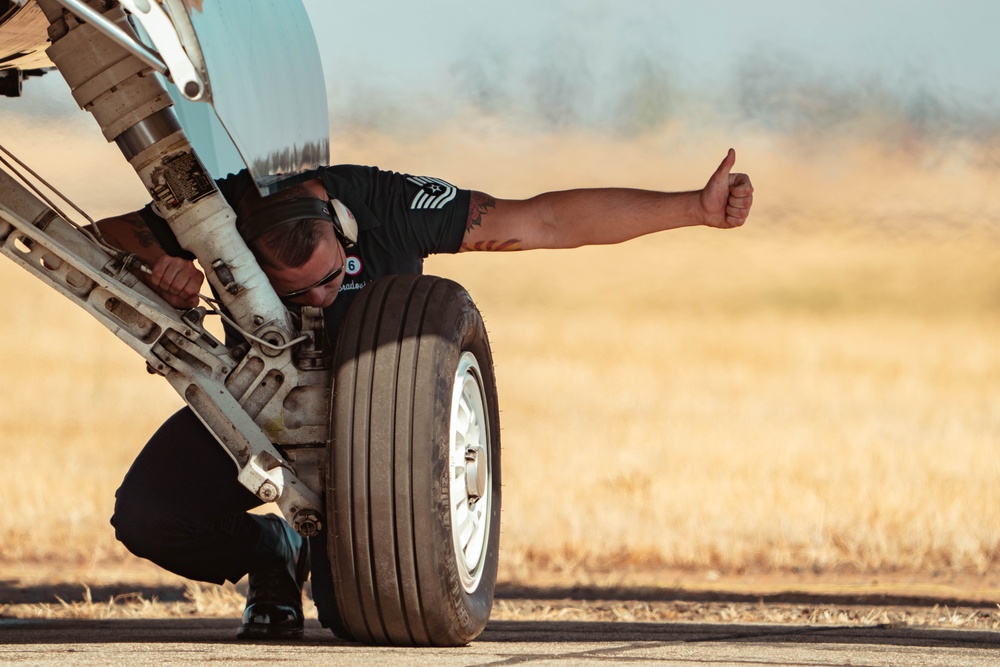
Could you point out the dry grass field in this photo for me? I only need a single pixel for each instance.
(815, 394)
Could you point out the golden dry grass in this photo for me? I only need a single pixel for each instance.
(760, 422)
(819, 391)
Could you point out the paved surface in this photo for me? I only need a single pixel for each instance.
(199, 642)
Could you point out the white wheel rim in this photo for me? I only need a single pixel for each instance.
(471, 471)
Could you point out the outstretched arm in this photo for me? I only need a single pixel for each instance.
(575, 218)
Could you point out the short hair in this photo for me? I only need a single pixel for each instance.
(289, 244)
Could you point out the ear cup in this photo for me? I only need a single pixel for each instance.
(344, 222)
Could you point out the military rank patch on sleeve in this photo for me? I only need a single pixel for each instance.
(433, 193)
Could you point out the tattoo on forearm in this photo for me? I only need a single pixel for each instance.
(141, 232)
(479, 205)
(493, 246)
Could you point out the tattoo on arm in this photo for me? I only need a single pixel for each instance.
(509, 244)
(141, 232)
(479, 205)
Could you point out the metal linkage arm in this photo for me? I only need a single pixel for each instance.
(195, 363)
(252, 403)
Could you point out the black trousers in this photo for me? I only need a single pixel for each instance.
(181, 506)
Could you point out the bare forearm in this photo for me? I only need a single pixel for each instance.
(610, 215)
(129, 233)
(574, 218)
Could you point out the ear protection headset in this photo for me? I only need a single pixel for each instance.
(279, 213)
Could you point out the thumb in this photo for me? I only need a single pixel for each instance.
(719, 181)
(726, 166)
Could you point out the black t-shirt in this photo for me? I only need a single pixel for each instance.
(401, 220)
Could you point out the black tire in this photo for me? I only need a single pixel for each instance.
(412, 350)
(322, 588)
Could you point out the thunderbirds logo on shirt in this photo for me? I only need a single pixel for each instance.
(434, 193)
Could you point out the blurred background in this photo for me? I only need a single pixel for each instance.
(817, 392)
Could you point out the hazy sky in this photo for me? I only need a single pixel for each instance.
(947, 46)
(584, 54)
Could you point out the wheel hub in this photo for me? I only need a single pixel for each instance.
(471, 476)
(475, 483)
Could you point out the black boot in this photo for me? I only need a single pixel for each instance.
(274, 599)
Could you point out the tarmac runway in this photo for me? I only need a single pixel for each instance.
(168, 642)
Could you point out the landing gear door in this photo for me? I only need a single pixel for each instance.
(264, 80)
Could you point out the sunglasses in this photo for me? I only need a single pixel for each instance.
(325, 281)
